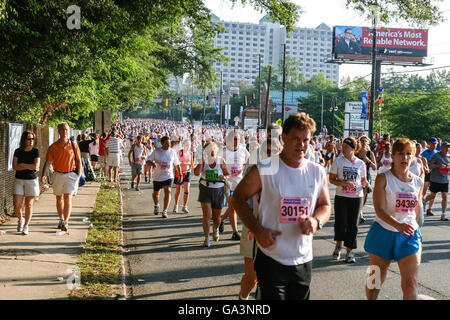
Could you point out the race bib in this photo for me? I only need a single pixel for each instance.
(212, 175)
(386, 163)
(291, 208)
(236, 171)
(349, 190)
(405, 202)
(164, 165)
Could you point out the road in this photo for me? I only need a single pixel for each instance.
(165, 259)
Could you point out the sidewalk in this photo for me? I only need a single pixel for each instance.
(37, 266)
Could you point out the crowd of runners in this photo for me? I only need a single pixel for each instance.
(275, 180)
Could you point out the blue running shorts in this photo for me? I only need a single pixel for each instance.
(391, 245)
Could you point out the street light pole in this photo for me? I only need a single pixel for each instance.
(259, 71)
(220, 97)
(284, 83)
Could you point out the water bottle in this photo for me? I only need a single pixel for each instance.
(2, 232)
(61, 233)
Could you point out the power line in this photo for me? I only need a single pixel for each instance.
(435, 68)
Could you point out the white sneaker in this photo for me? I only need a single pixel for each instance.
(164, 214)
(444, 217)
(185, 210)
(175, 209)
(350, 258)
(20, 224)
(207, 243)
(26, 230)
(216, 235)
(156, 210)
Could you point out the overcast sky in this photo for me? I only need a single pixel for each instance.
(334, 12)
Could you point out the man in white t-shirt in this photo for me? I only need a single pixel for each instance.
(164, 160)
(294, 204)
(236, 157)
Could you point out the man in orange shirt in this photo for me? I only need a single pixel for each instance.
(64, 155)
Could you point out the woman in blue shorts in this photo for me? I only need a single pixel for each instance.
(395, 234)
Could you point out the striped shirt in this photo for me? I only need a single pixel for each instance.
(114, 145)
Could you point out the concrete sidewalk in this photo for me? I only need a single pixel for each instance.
(37, 266)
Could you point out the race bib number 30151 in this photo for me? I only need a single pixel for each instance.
(291, 208)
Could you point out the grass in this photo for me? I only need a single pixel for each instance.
(100, 261)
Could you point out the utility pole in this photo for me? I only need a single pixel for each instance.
(259, 71)
(374, 71)
(220, 97)
(284, 83)
(266, 122)
(321, 117)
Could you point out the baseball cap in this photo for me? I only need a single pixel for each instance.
(433, 140)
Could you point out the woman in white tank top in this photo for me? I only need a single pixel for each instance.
(395, 234)
(385, 160)
(213, 173)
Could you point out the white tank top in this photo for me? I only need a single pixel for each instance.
(284, 193)
(415, 167)
(137, 154)
(385, 164)
(209, 173)
(401, 199)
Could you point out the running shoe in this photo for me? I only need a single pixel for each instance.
(137, 188)
(236, 236)
(185, 210)
(65, 226)
(132, 184)
(429, 213)
(362, 220)
(207, 243)
(20, 224)
(26, 230)
(60, 224)
(337, 254)
(221, 226)
(156, 210)
(350, 258)
(164, 214)
(175, 209)
(216, 235)
(444, 217)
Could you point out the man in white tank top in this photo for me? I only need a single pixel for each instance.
(295, 203)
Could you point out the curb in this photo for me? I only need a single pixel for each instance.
(123, 296)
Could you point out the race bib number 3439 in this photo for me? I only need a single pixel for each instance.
(291, 208)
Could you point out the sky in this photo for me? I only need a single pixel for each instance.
(334, 12)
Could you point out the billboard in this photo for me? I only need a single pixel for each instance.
(393, 44)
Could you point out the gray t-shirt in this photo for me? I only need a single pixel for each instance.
(439, 175)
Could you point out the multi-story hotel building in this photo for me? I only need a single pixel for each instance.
(246, 43)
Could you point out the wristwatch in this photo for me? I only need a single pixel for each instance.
(319, 223)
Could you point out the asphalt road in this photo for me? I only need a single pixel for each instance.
(165, 259)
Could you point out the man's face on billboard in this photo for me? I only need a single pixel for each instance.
(348, 35)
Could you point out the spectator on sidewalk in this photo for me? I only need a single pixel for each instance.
(65, 157)
(26, 185)
(94, 151)
(113, 152)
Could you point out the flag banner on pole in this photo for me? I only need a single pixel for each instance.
(365, 105)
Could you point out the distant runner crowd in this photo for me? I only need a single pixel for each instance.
(275, 180)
